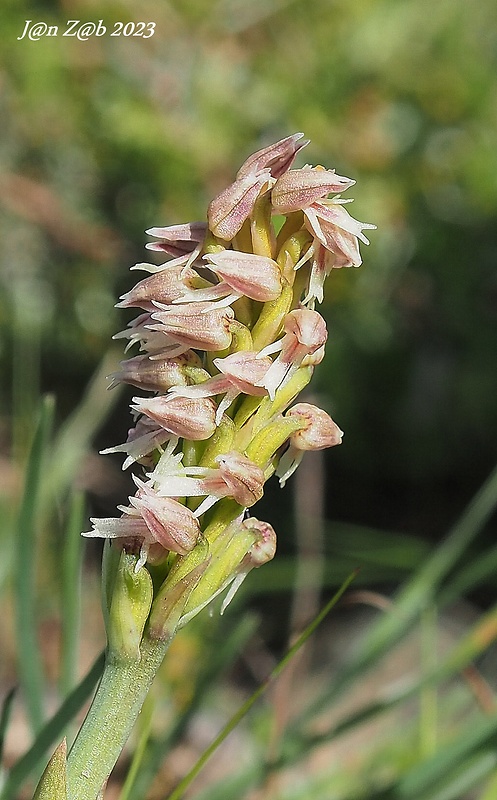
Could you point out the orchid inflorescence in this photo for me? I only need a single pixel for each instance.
(228, 337)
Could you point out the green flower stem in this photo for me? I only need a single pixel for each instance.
(117, 703)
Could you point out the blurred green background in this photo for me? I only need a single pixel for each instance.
(106, 137)
(101, 139)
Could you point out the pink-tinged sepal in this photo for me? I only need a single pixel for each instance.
(244, 479)
(257, 277)
(165, 287)
(170, 523)
(185, 417)
(196, 325)
(150, 520)
(277, 157)
(299, 188)
(229, 210)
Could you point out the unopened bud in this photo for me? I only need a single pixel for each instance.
(319, 430)
(129, 610)
(264, 548)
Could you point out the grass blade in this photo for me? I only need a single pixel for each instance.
(72, 556)
(74, 437)
(245, 707)
(51, 732)
(417, 594)
(30, 667)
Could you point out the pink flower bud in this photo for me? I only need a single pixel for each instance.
(229, 210)
(178, 240)
(186, 417)
(298, 188)
(264, 548)
(196, 325)
(257, 277)
(245, 370)
(277, 157)
(319, 432)
(235, 476)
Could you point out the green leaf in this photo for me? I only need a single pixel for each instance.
(30, 667)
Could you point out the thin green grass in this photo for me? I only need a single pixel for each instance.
(30, 667)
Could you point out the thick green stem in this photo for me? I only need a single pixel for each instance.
(115, 708)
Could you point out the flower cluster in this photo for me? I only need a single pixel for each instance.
(228, 336)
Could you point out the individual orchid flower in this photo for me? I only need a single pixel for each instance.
(179, 240)
(164, 286)
(302, 344)
(145, 437)
(318, 433)
(186, 417)
(331, 224)
(277, 157)
(141, 330)
(235, 476)
(299, 188)
(240, 372)
(242, 275)
(195, 325)
(229, 210)
(156, 375)
(151, 519)
(322, 262)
